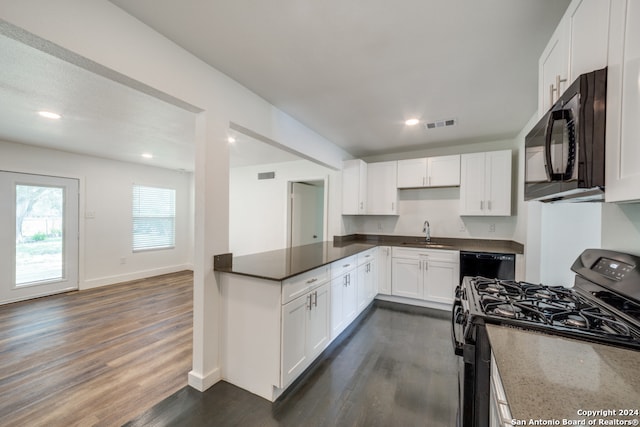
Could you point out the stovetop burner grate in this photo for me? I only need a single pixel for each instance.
(549, 307)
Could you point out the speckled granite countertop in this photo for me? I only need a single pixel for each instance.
(550, 377)
(281, 264)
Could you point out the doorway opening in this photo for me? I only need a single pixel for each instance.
(307, 212)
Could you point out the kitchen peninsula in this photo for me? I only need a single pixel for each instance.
(282, 308)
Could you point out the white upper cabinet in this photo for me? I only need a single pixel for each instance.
(553, 68)
(382, 191)
(622, 179)
(442, 171)
(589, 26)
(578, 46)
(485, 183)
(412, 173)
(354, 187)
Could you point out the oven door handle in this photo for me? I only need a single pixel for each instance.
(456, 318)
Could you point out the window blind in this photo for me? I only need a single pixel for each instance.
(154, 215)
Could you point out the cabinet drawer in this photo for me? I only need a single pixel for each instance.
(433, 254)
(296, 286)
(344, 265)
(366, 256)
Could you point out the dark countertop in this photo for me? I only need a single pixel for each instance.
(472, 245)
(281, 264)
(284, 263)
(550, 377)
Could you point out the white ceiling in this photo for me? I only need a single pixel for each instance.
(354, 71)
(100, 117)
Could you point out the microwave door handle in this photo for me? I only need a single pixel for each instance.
(572, 149)
(553, 117)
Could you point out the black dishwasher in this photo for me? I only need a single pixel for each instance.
(488, 264)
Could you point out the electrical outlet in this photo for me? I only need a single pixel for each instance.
(461, 226)
(123, 260)
(379, 226)
(492, 228)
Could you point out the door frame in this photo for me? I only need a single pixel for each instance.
(81, 210)
(325, 213)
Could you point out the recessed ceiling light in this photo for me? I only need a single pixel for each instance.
(49, 115)
(147, 155)
(412, 122)
(231, 140)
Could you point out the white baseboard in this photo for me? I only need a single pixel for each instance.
(416, 302)
(119, 278)
(202, 383)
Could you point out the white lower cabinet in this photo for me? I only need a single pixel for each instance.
(367, 279)
(383, 267)
(305, 331)
(407, 277)
(425, 274)
(344, 302)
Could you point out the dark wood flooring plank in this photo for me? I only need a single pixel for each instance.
(395, 368)
(95, 357)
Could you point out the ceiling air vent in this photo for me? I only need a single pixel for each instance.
(440, 124)
(266, 175)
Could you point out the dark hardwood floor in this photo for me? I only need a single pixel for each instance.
(394, 368)
(97, 357)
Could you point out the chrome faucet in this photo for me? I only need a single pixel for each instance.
(426, 229)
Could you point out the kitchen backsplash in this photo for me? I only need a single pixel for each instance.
(440, 206)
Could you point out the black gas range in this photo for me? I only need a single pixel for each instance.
(603, 306)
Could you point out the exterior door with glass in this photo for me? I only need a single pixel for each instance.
(38, 236)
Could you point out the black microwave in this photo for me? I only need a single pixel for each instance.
(564, 152)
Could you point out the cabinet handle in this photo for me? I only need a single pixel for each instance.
(429, 180)
(551, 92)
(344, 281)
(481, 205)
(558, 81)
(315, 279)
(392, 206)
(361, 205)
(346, 265)
(308, 303)
(349, 279)
(315, 299)
(489, 204)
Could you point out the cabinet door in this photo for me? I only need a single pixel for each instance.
(498, 183)
(294, 347)
(623, 103)
(589, 22)
(354, 191)
(382, 197)
(440, 282)
(407, 277)
(412, 173)
(361, 293)
(472, 183)
(318, 330)
(337, 301)
(349, 297)
(384, 270)
(372, 281)
(553, 66)
(443, 171)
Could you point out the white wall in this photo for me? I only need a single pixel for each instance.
(621, 227)
(440, 206)
(103, 33)
(105, 191)
(258, 208)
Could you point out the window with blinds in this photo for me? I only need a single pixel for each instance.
(154, 218)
